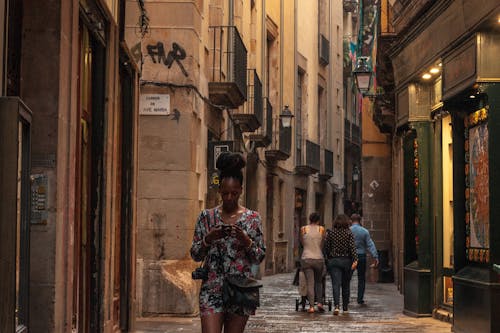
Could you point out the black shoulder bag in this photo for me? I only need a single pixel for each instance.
(241, 290)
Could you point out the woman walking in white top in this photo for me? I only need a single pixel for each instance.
(312, 262)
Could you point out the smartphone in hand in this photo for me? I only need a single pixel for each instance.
(226, 228)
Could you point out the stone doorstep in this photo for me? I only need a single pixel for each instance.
(443, 315)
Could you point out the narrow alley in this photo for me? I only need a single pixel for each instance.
(381, 313)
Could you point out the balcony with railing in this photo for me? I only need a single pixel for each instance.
(326, 171)
(355, 134)
(251, 116)
(281, 142)
(347, 129)
(324, 50)
(262, 137)
(312, 159)
(228, 81)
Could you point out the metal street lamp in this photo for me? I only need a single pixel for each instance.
(286, 117)
(362, 74)
(355, 174)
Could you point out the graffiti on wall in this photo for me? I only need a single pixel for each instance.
(176, 54)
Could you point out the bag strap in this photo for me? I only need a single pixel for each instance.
(210, 224)
(211, 217)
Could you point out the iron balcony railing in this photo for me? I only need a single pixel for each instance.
(324, 50)
(252, 116)
(312, 155)
(229, 57)
(255, 101)
(356, 134)
(269, 119)
(328, 163)
(281, 140)
(263, 136)
(285, 135)
(347, 129)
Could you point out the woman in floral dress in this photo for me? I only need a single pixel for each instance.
(229, 239)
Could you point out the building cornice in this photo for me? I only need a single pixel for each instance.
(417, 25)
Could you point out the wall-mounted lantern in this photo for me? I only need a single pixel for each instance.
(355, 174)
(363, 74)
(286, 117)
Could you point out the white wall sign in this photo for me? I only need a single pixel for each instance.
(154, 104)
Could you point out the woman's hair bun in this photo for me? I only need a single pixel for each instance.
(228, 161)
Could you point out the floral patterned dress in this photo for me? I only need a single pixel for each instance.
(225, 258)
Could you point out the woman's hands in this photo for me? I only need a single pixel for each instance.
(241, 236)
(354, 265)
(214, 234)
(223, 231)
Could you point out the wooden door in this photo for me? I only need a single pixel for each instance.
(82, 230)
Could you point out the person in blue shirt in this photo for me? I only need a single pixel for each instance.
(363, 243)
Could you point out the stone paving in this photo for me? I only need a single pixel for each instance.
(381, 313)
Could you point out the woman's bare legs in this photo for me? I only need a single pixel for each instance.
(235, 323)
(212, 323)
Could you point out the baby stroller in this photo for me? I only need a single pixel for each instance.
(301, 283)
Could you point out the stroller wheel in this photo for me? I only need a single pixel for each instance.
(297, 304)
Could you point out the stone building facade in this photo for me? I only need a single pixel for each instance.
(230, 70)
(68, 107)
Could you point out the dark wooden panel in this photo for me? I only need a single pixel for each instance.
(8, 210)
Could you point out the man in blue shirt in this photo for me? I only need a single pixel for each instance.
(363, 243)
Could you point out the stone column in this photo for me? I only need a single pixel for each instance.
(172, 162)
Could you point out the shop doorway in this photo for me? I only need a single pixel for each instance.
(123, 247)
(446, 298)
(15, 152)
(90, 183)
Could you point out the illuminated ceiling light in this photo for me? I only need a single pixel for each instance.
(440, 64)
(434, 70)
(498, 19)
(426, 76)
(472, 96)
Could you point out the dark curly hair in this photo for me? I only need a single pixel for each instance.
(229, 165)
(314, 217)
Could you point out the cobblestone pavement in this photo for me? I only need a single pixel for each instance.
(381, 313)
